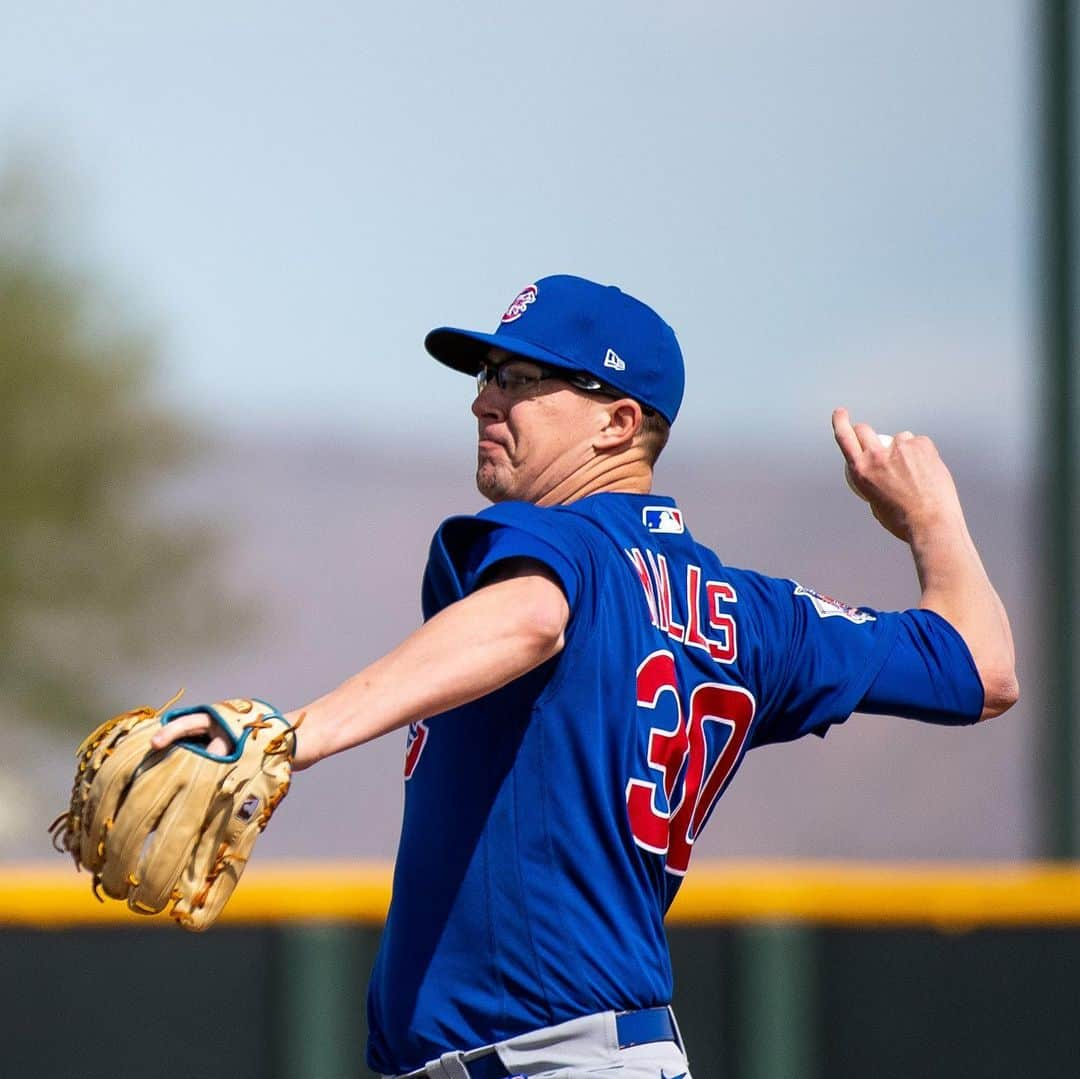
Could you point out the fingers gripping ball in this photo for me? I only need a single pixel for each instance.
(176, 825)
(886, 441)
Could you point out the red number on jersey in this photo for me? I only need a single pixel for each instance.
(694, 772)
(415, 741)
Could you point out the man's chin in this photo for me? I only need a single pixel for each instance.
(490, 485)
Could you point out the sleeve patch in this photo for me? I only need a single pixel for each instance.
(827, 607)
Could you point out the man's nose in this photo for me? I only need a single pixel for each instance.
(487, 402)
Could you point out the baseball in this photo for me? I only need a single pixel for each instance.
(886, 441)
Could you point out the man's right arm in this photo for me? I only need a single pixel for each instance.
(912, 494)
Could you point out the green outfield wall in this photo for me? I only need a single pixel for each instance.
(957, 972)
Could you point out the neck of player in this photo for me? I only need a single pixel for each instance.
(625, 473)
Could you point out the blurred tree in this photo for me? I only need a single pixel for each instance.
(88, 560)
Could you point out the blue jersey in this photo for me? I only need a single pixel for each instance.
(548, 826)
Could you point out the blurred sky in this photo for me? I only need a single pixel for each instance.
(831, 202)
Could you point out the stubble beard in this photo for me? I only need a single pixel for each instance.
(491, 481)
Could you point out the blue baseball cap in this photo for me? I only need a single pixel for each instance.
(578, 325)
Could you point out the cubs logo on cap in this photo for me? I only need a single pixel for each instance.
(521, 301)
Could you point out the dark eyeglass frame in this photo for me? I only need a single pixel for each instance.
(494, 372)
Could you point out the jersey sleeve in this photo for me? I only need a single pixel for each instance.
(821, 660)
(464, 549)
(928, 675)
(816, 658)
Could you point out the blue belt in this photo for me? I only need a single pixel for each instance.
(631, 1028)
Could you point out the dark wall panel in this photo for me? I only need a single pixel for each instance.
(133, 1004)
(979, 1005)
(138, 1003)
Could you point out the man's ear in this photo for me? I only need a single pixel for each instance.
(623, 423)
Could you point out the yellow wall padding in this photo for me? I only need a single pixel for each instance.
(940, 895)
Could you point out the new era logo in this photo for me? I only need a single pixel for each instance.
(614, 361)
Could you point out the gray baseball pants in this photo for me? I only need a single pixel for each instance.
(585, 1048)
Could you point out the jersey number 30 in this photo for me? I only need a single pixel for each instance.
(694, 762)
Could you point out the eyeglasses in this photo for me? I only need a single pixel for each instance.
(518, 377)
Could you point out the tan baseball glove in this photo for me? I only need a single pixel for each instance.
(175, 825)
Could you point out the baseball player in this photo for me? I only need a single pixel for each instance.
(588, 679)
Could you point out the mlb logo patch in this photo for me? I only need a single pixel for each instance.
(520, 303)
(662, 519)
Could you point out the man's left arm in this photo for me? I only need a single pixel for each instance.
(511, 624)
